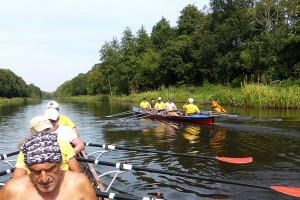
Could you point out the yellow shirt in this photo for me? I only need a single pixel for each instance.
(67, 153)
(65, 121)
(159, 106)
(190, 109)
(144, 105)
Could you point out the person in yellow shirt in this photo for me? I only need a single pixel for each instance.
(159, 105)
(190, 108)
(144, 105)
(63, 119)
(40, 125)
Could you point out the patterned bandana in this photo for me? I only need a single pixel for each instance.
(41, 148)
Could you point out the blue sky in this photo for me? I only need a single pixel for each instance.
(47, 42)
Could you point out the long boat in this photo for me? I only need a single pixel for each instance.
(89, 170)
(202, 119)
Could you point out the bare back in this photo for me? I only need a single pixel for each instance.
(71, 185)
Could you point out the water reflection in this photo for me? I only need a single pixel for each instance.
(271, 137)
(218, 140)
(192, 133)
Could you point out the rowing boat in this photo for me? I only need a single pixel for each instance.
(89, 170)
(201, 119)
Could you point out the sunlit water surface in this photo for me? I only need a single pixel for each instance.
(271, 137)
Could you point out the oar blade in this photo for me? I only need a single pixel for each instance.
(235, 160)
(292, 191)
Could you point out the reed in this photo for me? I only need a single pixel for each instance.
(248, 95)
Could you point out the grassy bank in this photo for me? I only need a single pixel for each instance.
(17, 101)
(249, 95)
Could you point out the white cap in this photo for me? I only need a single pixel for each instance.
(159, 99)
(40, 123)
(52, 113)
(191, 100)
(53, 104)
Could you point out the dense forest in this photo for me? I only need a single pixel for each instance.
(12, 85)
(222, 44)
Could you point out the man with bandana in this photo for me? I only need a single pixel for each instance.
(46, 181)
(40, 124)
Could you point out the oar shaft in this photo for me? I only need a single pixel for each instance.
(118, 114)
(148, 151)
(192, 176)
(8, 171)
(3, 156)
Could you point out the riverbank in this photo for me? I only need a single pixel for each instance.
(17, 101)
(249, 95)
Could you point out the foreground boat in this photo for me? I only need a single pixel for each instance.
(89, 170)
(195, 119)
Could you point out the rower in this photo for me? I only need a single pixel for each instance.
(41, 124)
(170, 107)
(159, 105)
(144, 105)
(42, 155)
(63, 119)
(190, 108)
(64, 132)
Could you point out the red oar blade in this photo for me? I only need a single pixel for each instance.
(292, 191)
(235, 160)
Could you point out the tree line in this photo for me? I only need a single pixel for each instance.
(220, 44)
(12, 85)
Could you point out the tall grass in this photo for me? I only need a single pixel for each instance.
(248, 95)
(17, 101)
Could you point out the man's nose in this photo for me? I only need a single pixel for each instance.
(44, 177)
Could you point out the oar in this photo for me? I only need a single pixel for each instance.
(292, 191)
(121, 113)
(3, 156)
(224, 159)
(8, 171)
(169, 124)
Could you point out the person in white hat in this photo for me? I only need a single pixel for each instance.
(190, 108)
(63, 119)
(159, 105)
(64, 132)
(41, 125)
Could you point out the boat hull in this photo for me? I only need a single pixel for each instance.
(195, 119)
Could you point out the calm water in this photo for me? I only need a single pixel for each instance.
(271, 137)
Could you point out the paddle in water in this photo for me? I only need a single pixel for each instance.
(224, 159)
(292, 191)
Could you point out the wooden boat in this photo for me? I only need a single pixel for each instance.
(202, 119)
(89, 170)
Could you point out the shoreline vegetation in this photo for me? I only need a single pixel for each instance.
(250, 95)
(17, 101)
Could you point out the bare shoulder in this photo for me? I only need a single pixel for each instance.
(79, 182)
(76, 178)
(15, 188)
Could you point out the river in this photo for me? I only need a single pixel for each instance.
(270, 136)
